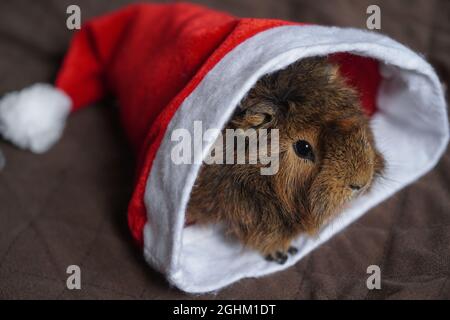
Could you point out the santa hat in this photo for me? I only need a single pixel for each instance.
(170, 65)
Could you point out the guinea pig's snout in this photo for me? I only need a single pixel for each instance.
(360, 178)
(355, 187)
(358, 185)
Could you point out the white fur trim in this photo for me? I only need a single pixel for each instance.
(411, 128)
(34, 117)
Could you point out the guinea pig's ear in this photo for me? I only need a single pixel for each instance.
(332, 71)
(257, 116)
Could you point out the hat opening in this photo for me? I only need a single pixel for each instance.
(410, 128)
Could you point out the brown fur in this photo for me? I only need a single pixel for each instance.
(310, 101)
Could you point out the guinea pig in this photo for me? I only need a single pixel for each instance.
(327, 156)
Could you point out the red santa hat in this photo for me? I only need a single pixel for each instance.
(170, 65)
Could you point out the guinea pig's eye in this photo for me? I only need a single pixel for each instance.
(304, 150)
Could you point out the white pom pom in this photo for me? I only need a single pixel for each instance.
(34, 118)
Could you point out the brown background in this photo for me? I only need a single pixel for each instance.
(68, 205)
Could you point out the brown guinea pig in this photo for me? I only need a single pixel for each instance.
(327, 156)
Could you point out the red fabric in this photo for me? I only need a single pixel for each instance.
(151, 57)
(363, 74)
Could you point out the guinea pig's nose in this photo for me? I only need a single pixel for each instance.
(355, 187)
